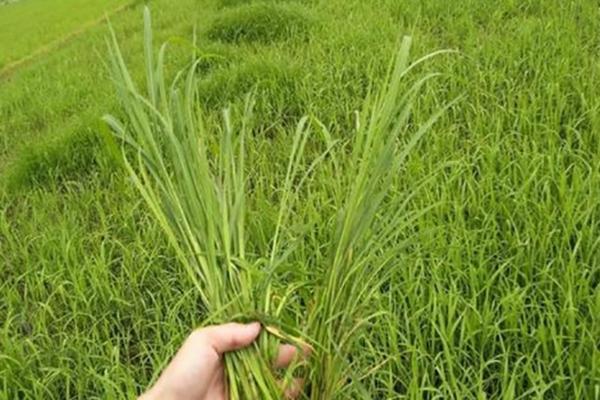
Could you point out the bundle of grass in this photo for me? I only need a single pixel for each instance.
(262, 22)
(195, 184)
(362, 253)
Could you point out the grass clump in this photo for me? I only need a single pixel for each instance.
(71, 156)
(236, 3)
(192, 174)
(262, 22)
(275, 83)
(214, 57)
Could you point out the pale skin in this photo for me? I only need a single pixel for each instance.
(196, 372)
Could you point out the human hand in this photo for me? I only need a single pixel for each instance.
(196, 372)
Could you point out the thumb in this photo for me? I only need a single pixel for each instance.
(231, 336)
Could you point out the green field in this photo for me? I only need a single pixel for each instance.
(28, 25)
(493, 291)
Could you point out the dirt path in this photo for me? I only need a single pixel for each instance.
(13, 66)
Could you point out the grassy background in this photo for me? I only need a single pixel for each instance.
(497, 292)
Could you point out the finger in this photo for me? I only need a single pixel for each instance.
(231, 336)
(285, 355)
(288, 353)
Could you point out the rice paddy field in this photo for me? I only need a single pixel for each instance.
(477, 276)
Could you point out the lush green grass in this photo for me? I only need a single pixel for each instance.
(28, 25)
(494, 292)
(261, 22)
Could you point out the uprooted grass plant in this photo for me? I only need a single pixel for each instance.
(193, 176)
